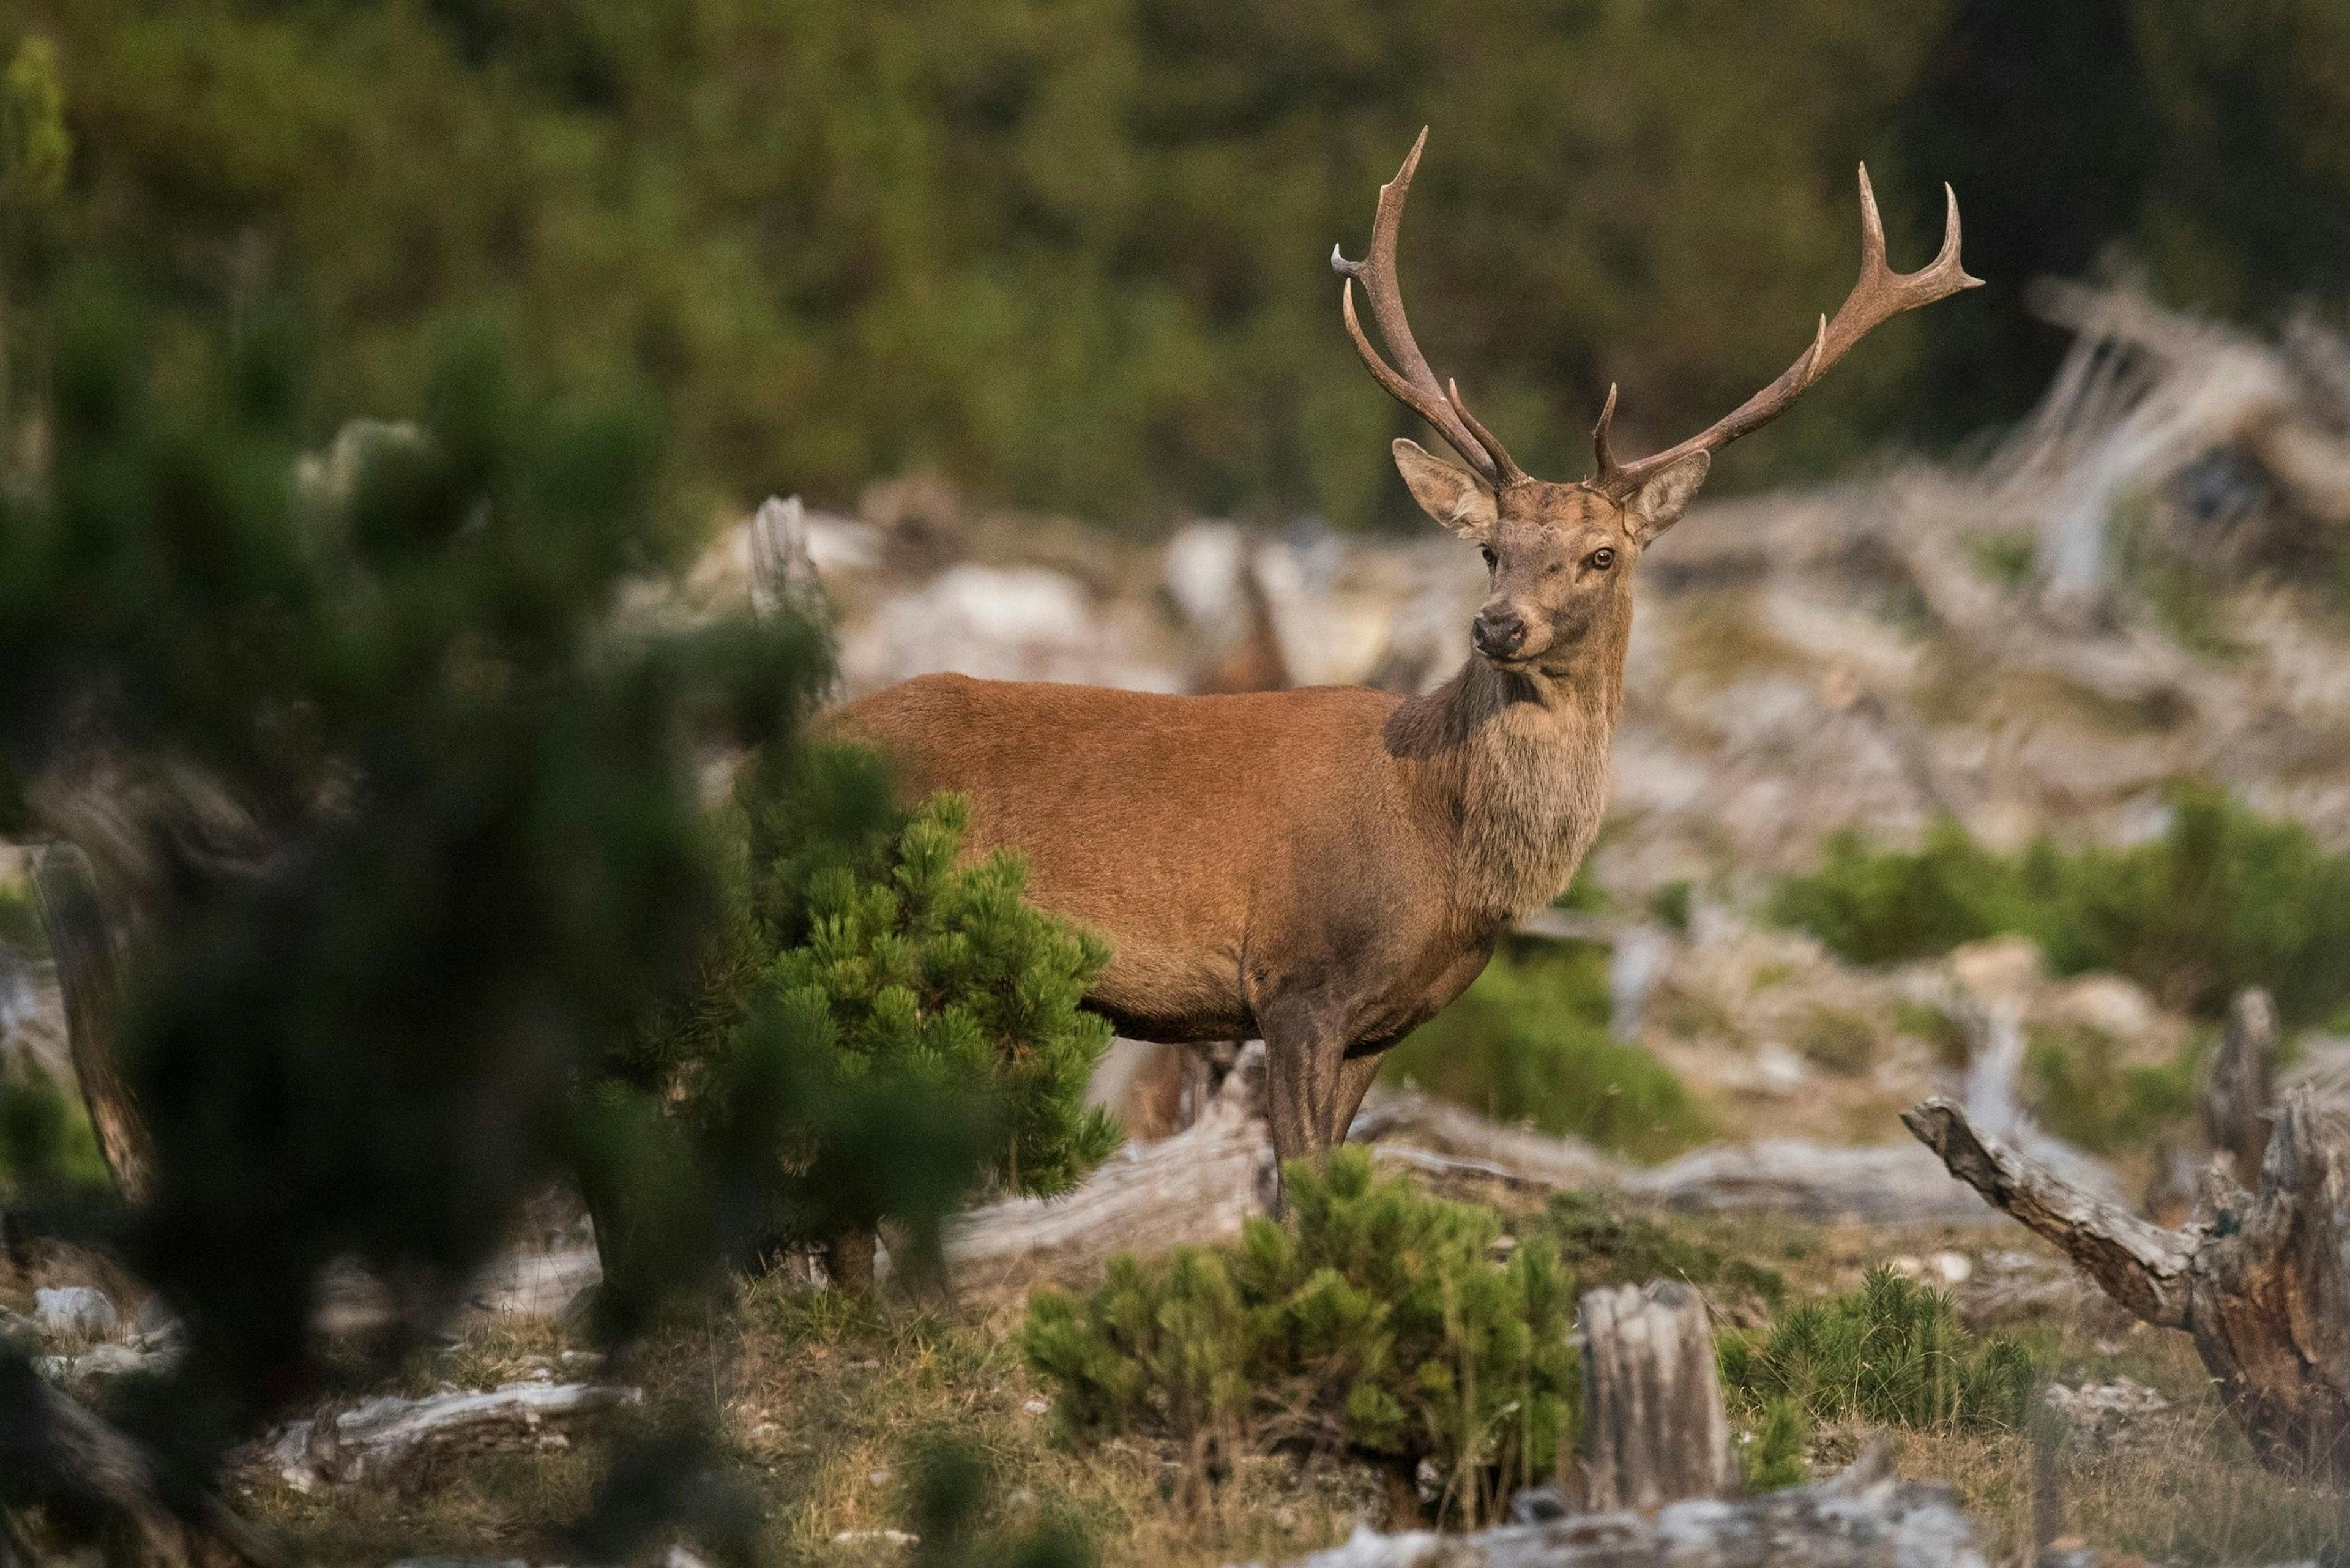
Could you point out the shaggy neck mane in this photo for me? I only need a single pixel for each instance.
(1516, 762)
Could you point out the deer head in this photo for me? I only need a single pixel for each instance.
(1561, 555)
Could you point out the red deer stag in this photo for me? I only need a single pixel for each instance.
(1326, 868)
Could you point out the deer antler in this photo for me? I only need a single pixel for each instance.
(1881, 295)
(1416, 387)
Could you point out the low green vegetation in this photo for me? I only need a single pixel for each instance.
(2224, 899)
(2082, 1090)
(1376, 1320)
(1604, 1245)
(2005, 557)
(20, 922)
(1529, 1043)
(1892, 1353)
(45, 1139)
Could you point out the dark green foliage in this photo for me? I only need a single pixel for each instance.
(1376, 1318)
(2224, 899)
(1529, 1042)
(1604, 1245)
(1891, 1351)
(356, 1029)
(1074, 253)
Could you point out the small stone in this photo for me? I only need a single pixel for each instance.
(74, 1309)
(876, 1478)
(1035, 1408)
(1778, 1070)
(890, 1537)
(1953, 1268)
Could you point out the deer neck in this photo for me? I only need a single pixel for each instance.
(1516, 763)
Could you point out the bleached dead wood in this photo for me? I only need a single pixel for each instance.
(1654, 1426)
(1862, 1518)
(1884, 1184)
(1196, 1188)
(1475, 1146)
(389, 1439)
(2259, 1279)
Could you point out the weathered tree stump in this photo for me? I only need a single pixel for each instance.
(1653, 1419)
(2260, 1280)
(2241, 1089)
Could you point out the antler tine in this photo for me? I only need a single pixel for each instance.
(1415, 386)
(1604, 467)
(1879, 294)
(1506, 469)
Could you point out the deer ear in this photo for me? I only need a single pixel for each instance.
(1659, 504)
(1455, 497)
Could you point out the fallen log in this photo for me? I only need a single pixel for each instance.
(388, 1440)
(1194, 1189)
(2258, 1278)
(1476, 1146)
(1881, 1184)
(1862, 1518)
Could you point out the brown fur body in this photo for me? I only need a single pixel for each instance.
(1323, 869)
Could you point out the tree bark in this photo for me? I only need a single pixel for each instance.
(1653, 1420)
(2237, 1100)
(2260, 1280)
(89, 975)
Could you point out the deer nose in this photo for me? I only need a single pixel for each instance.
(1498, 633)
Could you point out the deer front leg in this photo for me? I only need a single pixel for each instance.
(1302, 1061)
(1357, 1073)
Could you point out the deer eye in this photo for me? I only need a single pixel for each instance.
(1487, 551)
(1600, 560)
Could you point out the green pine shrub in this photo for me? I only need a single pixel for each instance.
(857, 957)
(1892, 1352)
(1529, 1043)
(1375, 1320)
(2224, 899)
(1776, 1450)
(919, 967)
